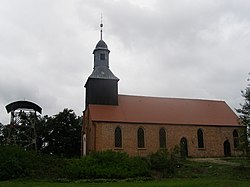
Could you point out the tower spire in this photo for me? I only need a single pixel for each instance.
(101, 25)
(102, 84)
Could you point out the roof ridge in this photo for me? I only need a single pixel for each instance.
(177, 98)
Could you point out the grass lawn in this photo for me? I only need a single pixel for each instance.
(161, 183)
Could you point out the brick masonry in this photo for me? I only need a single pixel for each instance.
(101, 136)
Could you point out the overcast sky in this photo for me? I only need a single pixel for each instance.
(164, 48)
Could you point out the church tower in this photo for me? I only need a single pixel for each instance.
(102, 84)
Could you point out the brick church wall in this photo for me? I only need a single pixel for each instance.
(214, 137)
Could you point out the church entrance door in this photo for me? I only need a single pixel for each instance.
(227, 149)
(184, 148)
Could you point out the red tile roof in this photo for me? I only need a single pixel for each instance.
(140, 109)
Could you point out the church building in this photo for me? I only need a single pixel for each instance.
(141, 125)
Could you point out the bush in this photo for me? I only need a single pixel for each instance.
(107, 164)
(15, 162)
(18, 163)
(48, 167)
(165, 162)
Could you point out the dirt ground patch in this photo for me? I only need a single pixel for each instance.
(215, 160)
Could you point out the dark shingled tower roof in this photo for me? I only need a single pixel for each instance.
(101, 44)
(102, 72)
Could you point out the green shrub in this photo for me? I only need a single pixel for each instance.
(15, 162)
(165, 162)
(48, 167)
(108, 165)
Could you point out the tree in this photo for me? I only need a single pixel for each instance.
(245, 118)
(60, 134)
(57, 135)
(3, 134)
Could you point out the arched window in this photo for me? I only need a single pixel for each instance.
(140, 138)
(236, 139)
(118, 137)
(162, 136)
(200, 138)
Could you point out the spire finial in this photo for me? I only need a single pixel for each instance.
(101, 25)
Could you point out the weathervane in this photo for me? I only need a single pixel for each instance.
(101, 25)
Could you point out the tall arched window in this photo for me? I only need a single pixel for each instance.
(236, 139)
(118, 137)
(162, 136)
(140, 138)
(200, 138)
